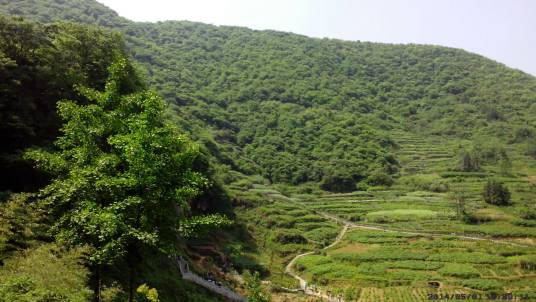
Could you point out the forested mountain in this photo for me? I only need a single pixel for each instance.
(297, 109)
(433, 147)
(80, 11)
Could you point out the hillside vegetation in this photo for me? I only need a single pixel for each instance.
(296, 109)
(110, 193)
(368, 171)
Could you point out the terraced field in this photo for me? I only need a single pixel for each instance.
(418, 155)
(394, 265)
(280, 229)
(405, 236)
(426, 212)
(381, 265)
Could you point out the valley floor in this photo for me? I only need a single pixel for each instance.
(401, 243)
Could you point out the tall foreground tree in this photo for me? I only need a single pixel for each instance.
(123, 176)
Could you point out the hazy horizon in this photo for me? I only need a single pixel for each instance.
(499, 30)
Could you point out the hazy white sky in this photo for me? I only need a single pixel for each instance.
(504, 30)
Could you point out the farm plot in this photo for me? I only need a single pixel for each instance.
(396, 264)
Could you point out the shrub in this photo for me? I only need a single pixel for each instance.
(380, 178)
(531, 150)
(239, 202)
(522, 134)
(414, 182)
(528, 213)
(308, 226)
(438, 187)
(380, 219)
(472, 218)
(289, 237)
(144, 293)
(20, 223)
(425, 183)
(355, 217)
(496, 193)
(338, 183)
(46, 273)
(113, 293)
(253, 285)
(469, 162)
(400, 215)
(313, 260)
(243, 263)
(287, 224)
(524, 223)
(282, 221)
(393, 240)
(527, 262)
(243, 183)
(525, 294)
(345, 257)
(492, 114)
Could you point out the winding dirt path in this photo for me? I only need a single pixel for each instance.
(429, 234)
(303, 283)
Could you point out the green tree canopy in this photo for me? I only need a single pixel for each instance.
(39, 65)
(123, 175)
(495, 192)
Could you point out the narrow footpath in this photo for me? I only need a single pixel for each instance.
(430, 234)
(211, 286)
(303, 284)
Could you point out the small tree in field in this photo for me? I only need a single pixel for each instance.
(496, 193)
(459, 195)
(505, 164)
(123, 176)
(469, 162)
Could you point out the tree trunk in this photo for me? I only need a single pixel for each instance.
(132, 259)
(97, 288)
(131, 262)
(131, 284)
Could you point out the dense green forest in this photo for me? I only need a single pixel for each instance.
(110, 192)
(129, 143)
(296, 109)
(40, 65)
